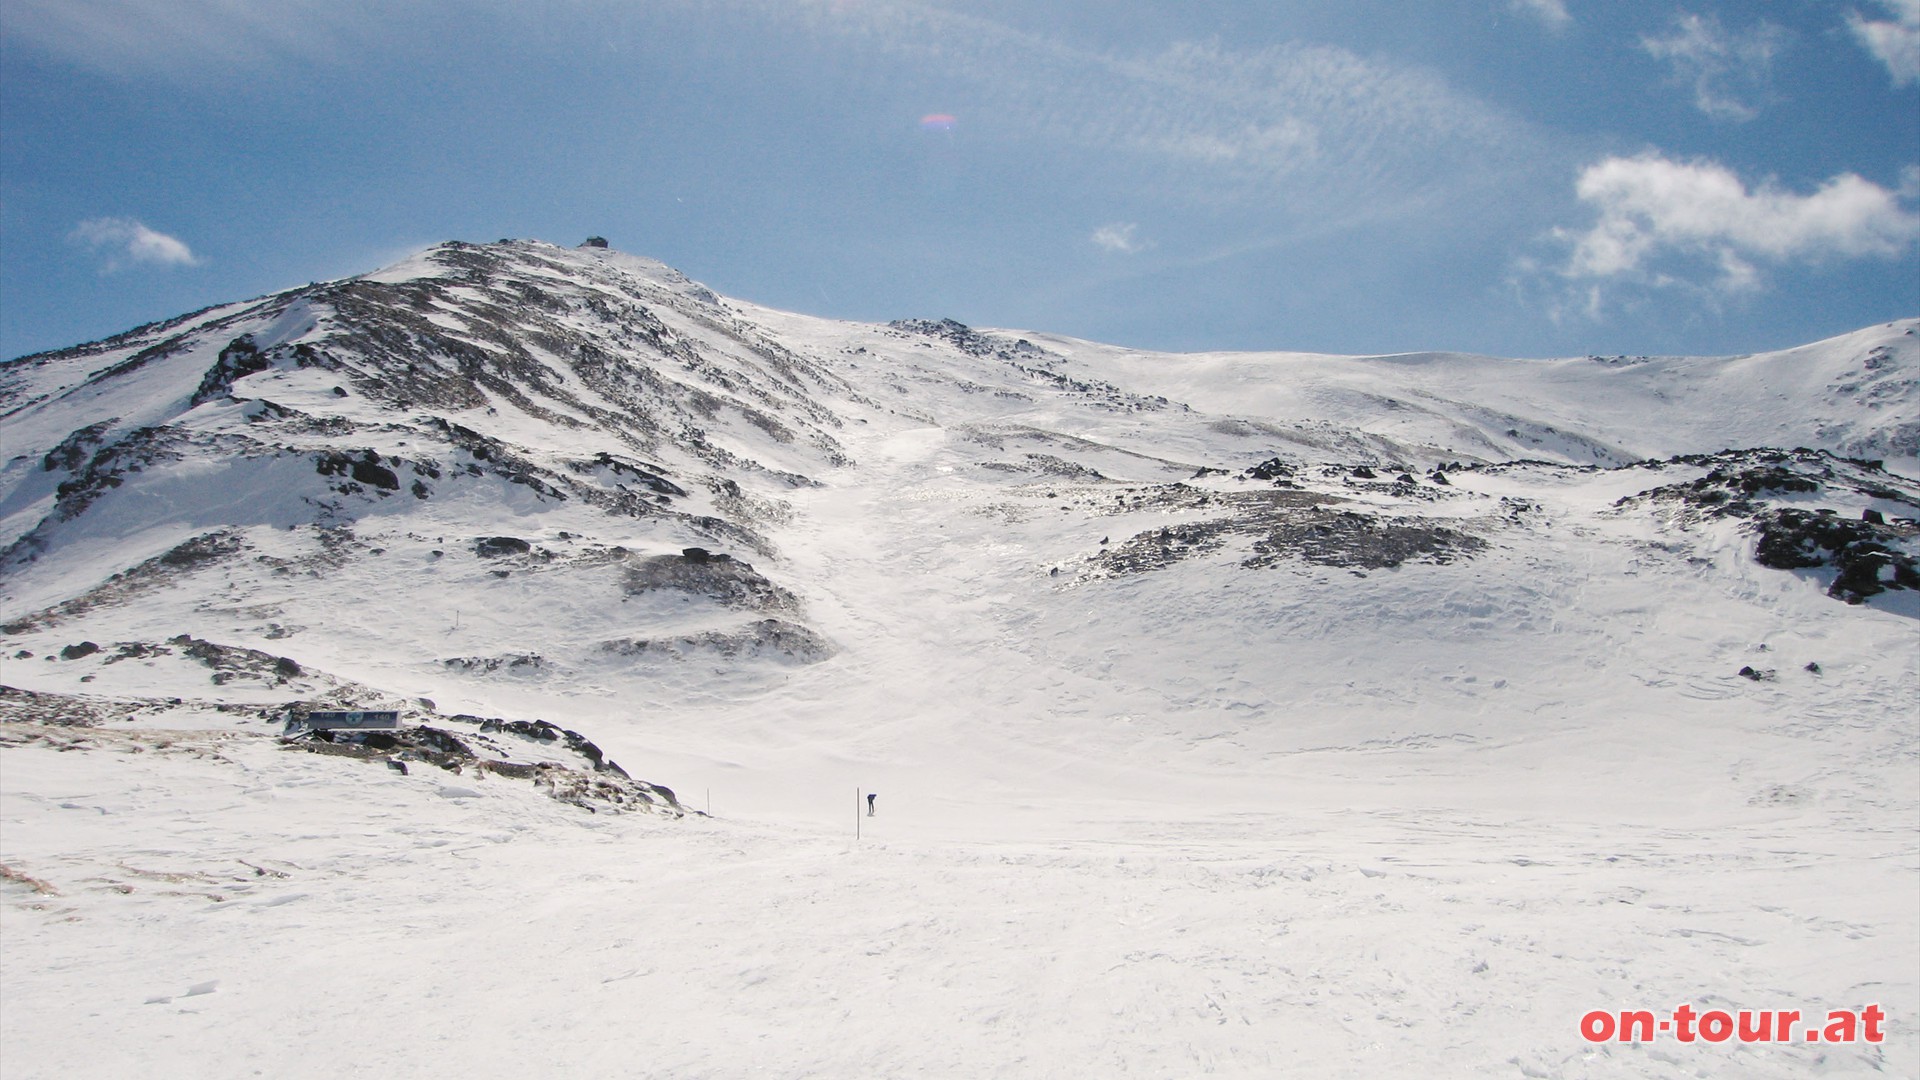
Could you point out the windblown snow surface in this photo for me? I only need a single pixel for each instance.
(1244, 715)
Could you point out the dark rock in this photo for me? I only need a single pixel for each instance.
(238, 360)
(107, 469)
(494, 546)
(695, 555)
(444, 742)
(201, 550)
(1793, 539)
(1271, 469)
(648, 476)
(772, 638)
(959, 334)
(545, 731)
(75, 652)
(1867, 554)
(365, 469)
(1362, 472)
(594, 242)
(369, 472)
(74, 450)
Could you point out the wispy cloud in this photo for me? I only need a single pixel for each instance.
(185, 39)
(1727, 69)
(1119, 238)
(1308, 130)
(1287, 140)
(125, 242)
(1551, 12)
(1895, 43)
(1662, 221)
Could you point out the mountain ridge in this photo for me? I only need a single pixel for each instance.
(1251, 713)
(584, 416)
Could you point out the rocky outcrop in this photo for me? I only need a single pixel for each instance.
(1777, 495)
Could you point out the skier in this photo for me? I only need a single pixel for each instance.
(870, 797)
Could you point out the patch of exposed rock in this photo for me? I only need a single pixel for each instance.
(562, 763)
(718, 577)
(774, 639)
(1777, 493)
(1284, 525)
(158, 572)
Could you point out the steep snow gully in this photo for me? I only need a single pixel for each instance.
(1261, 714)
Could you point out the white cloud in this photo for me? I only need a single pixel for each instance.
(1726, 68)
(1119, 238)
(1551, 12)
(1655, 213)
(1315, 132)
(1896, 43)
(126, 242)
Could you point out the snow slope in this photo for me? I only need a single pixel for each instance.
(1247, 715)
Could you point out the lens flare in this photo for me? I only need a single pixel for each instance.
(937, 122)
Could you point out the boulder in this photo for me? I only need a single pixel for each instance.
(495, 546)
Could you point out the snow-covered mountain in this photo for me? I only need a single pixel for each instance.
(1386, 632)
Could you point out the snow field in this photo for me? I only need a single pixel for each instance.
(432, 925)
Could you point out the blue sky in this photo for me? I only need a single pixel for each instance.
(1519, 177)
